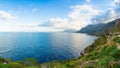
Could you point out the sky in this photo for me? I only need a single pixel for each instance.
(55, 15)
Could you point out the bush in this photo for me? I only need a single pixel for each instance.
(71, 64)
(117, 66)
(115, 54)
(104, 62)
(5, 66)
(106, 51)
(117, 39)
(89, 66)
(30, 62)
(16, 65)
(2, 60)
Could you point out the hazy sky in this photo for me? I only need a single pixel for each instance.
(55, 15)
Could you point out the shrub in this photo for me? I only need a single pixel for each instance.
(104, 62)
(117, 39)
(5, 66)
(71, 64)
(106, 51)
(89, 66)
(30, 62)
(15, 65)
(2, 60)
(115, 54)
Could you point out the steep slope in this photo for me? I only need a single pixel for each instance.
(103, 53)
(99, 29)
(90, 29)
(110, 27)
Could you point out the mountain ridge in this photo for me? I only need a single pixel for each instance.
(101, 28)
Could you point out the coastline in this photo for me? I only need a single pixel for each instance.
(101, 53)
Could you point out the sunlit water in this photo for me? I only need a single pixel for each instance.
(43, 46)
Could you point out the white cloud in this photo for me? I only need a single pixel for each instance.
(82, 15)
(82, 10)
(59, 22)
(78, 18)
(116, 3)
(6, 15)
(111, 14)
(88, 0)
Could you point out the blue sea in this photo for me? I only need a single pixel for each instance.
(43, 46)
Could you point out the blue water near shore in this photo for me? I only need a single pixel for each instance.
(43, 46)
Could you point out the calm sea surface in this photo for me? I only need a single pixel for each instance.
(43, 46)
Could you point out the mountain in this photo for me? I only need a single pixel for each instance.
(70, 30)
(92, 28)
(99, 29)
(103, 53)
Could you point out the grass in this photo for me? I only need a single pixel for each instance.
(98, 55)
(117, 39)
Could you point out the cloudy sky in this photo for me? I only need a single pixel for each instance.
(55, 15)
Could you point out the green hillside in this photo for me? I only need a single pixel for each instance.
(103, 53)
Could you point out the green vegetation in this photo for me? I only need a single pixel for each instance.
(117, 39)
(26, 63)
(101, 54)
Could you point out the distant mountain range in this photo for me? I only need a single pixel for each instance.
(70, 30)
(101, 28)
